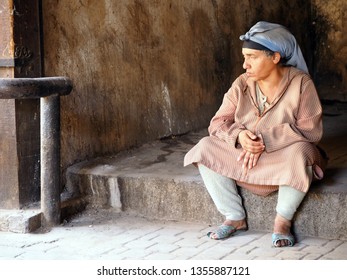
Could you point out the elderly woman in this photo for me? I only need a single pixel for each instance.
(264, 136)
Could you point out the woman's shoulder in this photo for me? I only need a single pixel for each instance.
(241, 85)
(298, 74)
(241, 81)
(301, 79)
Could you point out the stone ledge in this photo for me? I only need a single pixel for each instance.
(322, 214)
(152, 181)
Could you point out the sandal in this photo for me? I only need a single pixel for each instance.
(278, 236)
(223, 231)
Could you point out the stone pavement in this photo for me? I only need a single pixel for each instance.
(101, 234)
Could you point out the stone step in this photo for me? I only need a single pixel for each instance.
(20, 221)
(30, 219)
(152, 181)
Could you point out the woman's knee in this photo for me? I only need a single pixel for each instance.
(300, 150)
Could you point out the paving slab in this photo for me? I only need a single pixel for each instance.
(104, 234)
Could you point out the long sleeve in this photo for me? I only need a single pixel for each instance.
(223, 125)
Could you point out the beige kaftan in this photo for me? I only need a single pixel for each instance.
(291, 127)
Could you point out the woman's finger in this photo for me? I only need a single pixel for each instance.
(240, 157)
(246, 159)
(255, 159)
(250, 162)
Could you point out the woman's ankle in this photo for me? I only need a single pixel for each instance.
(238, 224)
(282, 225)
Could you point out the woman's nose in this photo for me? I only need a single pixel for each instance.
(245, 65)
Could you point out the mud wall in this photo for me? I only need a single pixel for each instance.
(144, 70)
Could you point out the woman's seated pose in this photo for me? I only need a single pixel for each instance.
(264, 136)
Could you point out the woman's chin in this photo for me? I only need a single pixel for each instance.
(251, 76)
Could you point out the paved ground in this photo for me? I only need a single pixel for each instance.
(106, 235)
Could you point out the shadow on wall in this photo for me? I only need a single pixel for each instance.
(329, 18)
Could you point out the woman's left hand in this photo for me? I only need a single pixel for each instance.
(253, 146)
(249, 159)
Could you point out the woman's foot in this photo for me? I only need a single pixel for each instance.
(227, 228)
(282, 236)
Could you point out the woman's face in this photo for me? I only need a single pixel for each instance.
(258, 65)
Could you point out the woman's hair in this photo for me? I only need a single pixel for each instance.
(270, 53)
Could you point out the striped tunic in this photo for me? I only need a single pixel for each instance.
(291, 127)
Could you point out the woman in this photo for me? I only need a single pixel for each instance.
(264, 136)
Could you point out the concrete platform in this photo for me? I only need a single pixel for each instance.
(151, 181)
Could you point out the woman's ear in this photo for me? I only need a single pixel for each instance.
(276, 57)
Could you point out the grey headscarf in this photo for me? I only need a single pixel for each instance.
(277, 38)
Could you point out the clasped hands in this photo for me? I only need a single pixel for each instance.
(252, 146)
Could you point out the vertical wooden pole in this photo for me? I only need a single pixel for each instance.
(20, 57)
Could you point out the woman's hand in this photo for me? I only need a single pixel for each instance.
(251, 142)
(253, 147)
(249, 160)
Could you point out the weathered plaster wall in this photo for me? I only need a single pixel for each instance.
(148, 69)
(330, 22)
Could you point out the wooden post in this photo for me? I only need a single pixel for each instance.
(20, 57)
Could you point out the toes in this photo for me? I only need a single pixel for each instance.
(282, 243)
(212, 235)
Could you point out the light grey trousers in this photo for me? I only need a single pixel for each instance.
(225, 195)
